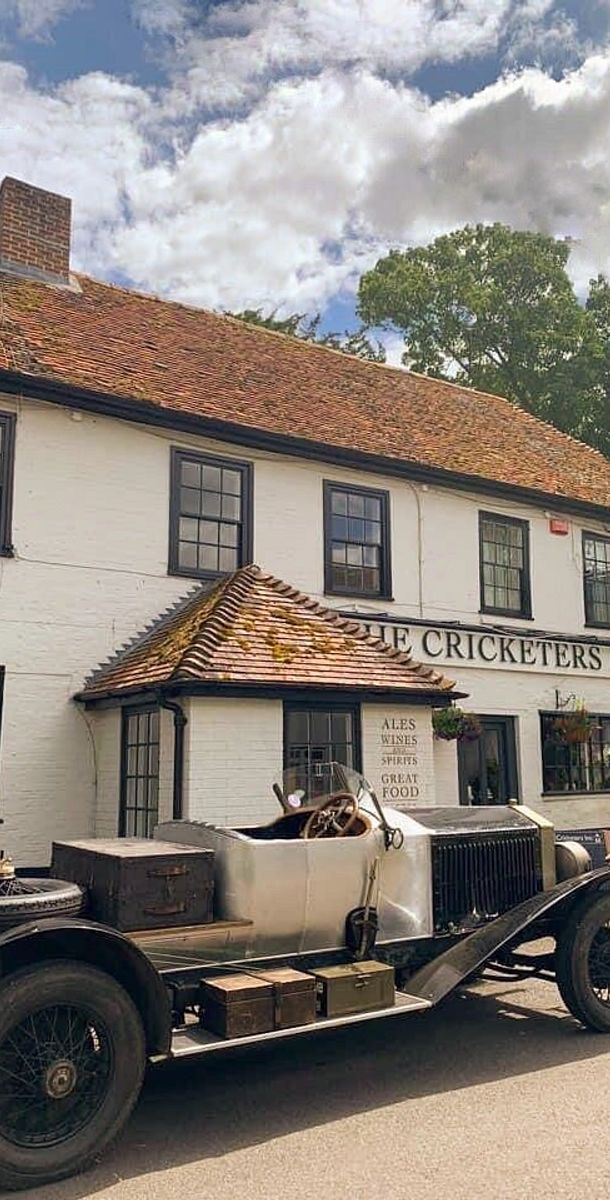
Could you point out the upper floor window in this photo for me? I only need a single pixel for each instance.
(596, 563)
(210, 514)
(7, 453)
(357, 541)
(504, 565)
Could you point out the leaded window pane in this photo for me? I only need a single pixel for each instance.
(140, 773)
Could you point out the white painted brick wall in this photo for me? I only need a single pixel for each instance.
(233, 754)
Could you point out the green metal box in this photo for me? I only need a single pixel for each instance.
(355, 987)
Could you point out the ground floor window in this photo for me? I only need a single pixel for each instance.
(316, 735)
(139, 808)
(578, 766)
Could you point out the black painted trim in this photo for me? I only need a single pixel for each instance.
(288, 692)
(598, 537)
(141, 412)
(525, 612)
(8, 422)
(178, 455)
(381, 494)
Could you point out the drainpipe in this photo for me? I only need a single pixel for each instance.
(180, 721)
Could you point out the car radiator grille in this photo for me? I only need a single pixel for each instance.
(475, 878)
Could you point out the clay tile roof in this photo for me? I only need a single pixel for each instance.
(253, 629)
(187, 361)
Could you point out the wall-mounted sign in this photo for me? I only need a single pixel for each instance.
(486, 648)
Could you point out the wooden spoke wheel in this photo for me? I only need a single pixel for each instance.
(333, 818)
(72, 1058)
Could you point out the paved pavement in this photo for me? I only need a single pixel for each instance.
(496, 1095)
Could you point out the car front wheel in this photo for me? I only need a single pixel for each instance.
(72, 1059)
(582, 962)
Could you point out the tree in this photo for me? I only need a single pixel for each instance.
(308, 329)
(494, 308)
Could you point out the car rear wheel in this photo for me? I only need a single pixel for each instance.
(72, 1059)
(582, 962)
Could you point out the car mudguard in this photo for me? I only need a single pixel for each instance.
(439, 977)
(81, 940)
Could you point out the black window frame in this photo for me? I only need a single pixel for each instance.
(586, 767)
(525, 611)
(8, 422)
(385, 582)
(590, 620)
(127, 712)
(311, 705)
(178, 456)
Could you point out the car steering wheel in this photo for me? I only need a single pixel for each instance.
(333, 818)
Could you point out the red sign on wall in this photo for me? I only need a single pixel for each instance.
(559, 526)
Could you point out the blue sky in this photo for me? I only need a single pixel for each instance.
(258, 153)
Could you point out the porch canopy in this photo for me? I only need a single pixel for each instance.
(253, 634)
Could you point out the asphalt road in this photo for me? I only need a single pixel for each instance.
(497, 1094)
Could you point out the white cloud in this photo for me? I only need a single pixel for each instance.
(286, 203)
(36, 18)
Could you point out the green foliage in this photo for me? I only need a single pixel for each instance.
(308, 329)
(453, 724)
(494, 308)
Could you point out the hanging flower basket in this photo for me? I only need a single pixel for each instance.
(574, 727)
(452, 724)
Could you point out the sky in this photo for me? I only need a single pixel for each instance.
(264, 153)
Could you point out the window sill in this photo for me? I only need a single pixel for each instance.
(360, 595)
(203, 576)
(572, 795)
(506, 612)
(596, 625)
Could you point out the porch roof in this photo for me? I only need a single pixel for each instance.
(256, 631)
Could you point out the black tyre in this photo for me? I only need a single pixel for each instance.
(27, 899)
(72, 1059)
(582, 962)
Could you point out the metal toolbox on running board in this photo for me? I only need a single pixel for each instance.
(353, 988)
(134, 883)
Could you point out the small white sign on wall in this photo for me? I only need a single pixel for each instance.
(397, 754)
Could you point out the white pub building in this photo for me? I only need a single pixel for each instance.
(151, 452)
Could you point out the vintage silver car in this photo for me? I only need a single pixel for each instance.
(436, 894)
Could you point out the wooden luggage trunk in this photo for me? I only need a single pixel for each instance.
(236, 1005)
(133, 883)
(294, 997)
(355, 987)
(239, 1004)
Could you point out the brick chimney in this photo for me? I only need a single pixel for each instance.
(34, 232)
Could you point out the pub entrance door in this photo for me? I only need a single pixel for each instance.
(487, 766)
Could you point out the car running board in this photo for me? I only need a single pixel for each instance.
(195, 1040)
